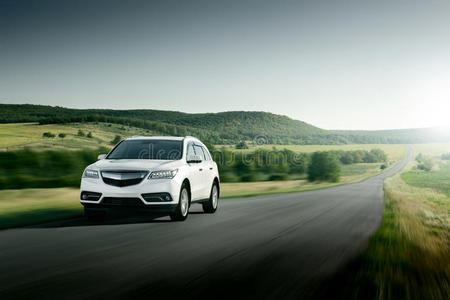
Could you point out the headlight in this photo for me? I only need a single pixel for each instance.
(90, 174)
(163, 174)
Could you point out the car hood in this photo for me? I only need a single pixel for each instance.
(134, 164)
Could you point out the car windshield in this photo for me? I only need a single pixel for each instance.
(148, 149)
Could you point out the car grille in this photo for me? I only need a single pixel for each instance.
(122, 201)
(123, 178)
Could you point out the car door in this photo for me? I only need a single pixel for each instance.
(195, 175)
(203, 168)
(209, 170)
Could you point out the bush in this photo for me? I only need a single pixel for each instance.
(80, 132)
(383, 166)
(48, 135)
(426, 164)
(116, 139)
(248, 177)
(241, 145)
(347, 158)
(62, 135)
(44, 169)
(419, 157)
(89, 135)
(324, 166)
(278, 176)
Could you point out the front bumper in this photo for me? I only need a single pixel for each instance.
(156, 194)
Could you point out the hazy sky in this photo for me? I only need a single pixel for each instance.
(335, 64)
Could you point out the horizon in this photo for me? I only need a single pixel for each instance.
(356, 65)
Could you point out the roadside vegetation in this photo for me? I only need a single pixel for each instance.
(409, 256)
(62, 168)
(39, 186)
(32, 206)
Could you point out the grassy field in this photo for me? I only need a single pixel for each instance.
(20, 135)
(409, 256)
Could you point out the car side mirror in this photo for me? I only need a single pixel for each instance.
(101, 156)
(194, 159)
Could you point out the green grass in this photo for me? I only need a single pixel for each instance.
(435, 179)
(32, 206)
(359, 169)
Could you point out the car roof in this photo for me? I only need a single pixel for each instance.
(172, 138)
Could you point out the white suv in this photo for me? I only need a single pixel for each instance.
(152, 173)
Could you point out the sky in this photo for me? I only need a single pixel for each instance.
(350, 64)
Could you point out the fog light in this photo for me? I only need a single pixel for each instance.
(90, 196)
(157, 197)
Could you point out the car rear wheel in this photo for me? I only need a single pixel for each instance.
(182, 210)
(210, 206)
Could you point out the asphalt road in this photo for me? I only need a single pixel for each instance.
(267, 247)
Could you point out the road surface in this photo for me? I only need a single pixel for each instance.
(266, 247)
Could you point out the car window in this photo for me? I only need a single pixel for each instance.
(148, 149)
(199, 151)
(208, 157)
(190, 149)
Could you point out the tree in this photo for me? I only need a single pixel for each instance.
(347, 158)
(116, 139)
(426, 164)
(89, 135)
(62, 135)
(419, 157)
(324, 166)
(80, 132)
(244, 167)
(379, 154)
(241, 145)
(48, 135)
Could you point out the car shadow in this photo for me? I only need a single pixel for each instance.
(114, 220)
(110, 220)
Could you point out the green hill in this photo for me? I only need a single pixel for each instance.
(217, 128)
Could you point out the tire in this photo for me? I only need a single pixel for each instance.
(181, 212)
(93, 215)
(210, 206)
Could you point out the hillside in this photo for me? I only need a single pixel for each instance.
(17, 136)
(217, 128)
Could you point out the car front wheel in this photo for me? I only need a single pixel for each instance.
(182, 210)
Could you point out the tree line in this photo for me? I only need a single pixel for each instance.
(60, 168)
(274, 164)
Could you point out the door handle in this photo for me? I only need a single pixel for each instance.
(210, 168)
(200, 169)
